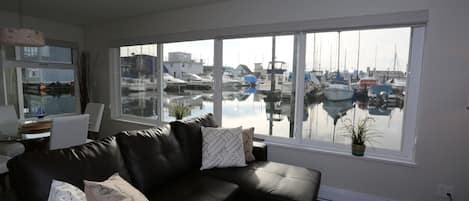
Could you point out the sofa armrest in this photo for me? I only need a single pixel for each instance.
(260, 151)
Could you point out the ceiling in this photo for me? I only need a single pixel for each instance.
(82, 12)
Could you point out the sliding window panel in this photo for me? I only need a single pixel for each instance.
(188, 79)
(138, 82)
(257, 88)
(359, 74)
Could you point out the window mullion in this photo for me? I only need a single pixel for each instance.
(218, 80)
(300, 59)
(19, 85)
(115, 82)
(3, 92)
(159, 82)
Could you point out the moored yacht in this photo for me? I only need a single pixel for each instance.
(338, 90)
(196, 82)
(172, 82)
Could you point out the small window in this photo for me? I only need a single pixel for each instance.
(48, 91)
(46, 54)
(41, 81)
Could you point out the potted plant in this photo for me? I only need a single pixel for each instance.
(180, 110)
(360, 134)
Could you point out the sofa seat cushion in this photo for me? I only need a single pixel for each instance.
(271, 181)
(195, 187)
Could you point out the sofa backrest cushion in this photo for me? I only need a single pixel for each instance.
(32, 172)
(189, 135)
(153, 157)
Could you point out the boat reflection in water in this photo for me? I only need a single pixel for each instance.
(336, 110)
(273, 115)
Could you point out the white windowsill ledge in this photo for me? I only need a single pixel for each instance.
(303, 147)
(134, 121)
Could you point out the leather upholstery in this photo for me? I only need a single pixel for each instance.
(271, 181)
(153, 157)
(260, 151)
(194, 187)
(32, 172)
(189, 135)
(163, 163)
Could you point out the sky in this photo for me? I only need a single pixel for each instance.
(377, 49)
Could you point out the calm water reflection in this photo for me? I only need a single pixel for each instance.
(51, 104)
(322, 119)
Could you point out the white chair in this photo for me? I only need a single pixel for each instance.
(68, 131)
(8, 121)
(95, 110)
(9, 128)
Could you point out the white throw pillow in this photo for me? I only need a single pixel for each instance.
(115, 188)
(222, 147)
(62, 191)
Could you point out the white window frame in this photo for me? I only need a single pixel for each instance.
(405, 156)
(116, 89)
(6, 63)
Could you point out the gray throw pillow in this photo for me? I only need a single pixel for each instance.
(248, 136)
(115, 188)
(222, 147)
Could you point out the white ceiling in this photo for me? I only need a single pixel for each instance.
(83, 12)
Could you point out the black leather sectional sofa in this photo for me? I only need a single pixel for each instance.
(163, 163)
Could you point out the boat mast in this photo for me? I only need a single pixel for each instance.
(320, 55)
(395, 57)
(272, 88)
(272, 74)
(376, 55)
(358, 57)
(330, 59)
(338, 57)
(314, 52)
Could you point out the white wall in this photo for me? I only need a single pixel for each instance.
(442, 126)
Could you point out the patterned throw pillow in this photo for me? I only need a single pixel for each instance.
(248, 135)
(222, 147)
(63, 191)
(113, 189)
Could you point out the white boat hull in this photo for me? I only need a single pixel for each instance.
(338, 93)
(137, 87)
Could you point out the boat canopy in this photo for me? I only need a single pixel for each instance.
(378, 88)
(252, 79)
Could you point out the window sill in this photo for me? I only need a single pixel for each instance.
(340, 153)
(135, 121)
(288, 144)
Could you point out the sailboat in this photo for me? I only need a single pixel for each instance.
(338, 89)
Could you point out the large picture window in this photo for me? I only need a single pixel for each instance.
(295, 89)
